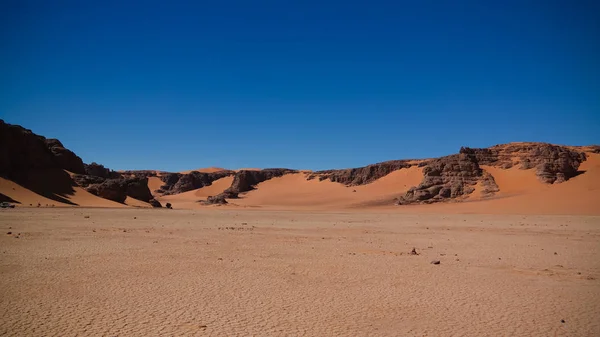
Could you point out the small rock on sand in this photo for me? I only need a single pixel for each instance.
(435, 262)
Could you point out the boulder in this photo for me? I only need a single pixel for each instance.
(216, 200)
(118, 189)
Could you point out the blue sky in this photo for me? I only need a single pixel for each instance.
(303, 84)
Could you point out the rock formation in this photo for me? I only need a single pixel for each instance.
(155, 203)
(361, 175)
(98, 170)
(245, 180)
(553, 163)
(448, 177)
(178, 182)
(119, 189)
(65, 158)
(21, 151)
(455, 176)
(216, 200)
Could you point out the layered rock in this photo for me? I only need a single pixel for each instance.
(449, 177)
(553, 163)
(361, 175)
(454, 177)
(175, 183)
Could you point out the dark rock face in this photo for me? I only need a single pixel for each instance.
(65, 158)
(178, 183)
(98, 170)
(21, 150)
(87, 180)
(361, 175)
(155, 203)
(111, 189)
(244, 181)
(118, 189)
(137, 188)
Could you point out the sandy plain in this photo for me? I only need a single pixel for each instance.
(244, 272)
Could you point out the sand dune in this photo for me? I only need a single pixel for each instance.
(293, 190)
(205, 170)
(154, 183)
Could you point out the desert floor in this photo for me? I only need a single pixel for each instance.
(220, 272)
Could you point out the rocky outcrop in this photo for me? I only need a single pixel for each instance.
(455, 176)
(111, 189)
(65, 158)
(553, 163)
(178, 182)
(215, 200)
(449, 177)
(85, 180)
(21, 151)
(137, 188)
(119, 189)
(98, 170)
(138, 173)
(155, 203)
(361, 175)
(244, 180)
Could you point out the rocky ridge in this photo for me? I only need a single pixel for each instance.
(175, 183)
(23, 152)
(245, 180)
(454, 177)
(361, 175)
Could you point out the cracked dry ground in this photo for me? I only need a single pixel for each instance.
(243, 273)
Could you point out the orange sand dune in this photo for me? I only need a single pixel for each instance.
(154, 183)
(293, 190)
(205, 170)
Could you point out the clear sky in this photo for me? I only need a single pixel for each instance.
(303, 84)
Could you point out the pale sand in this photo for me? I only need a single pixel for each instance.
(242, 273)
